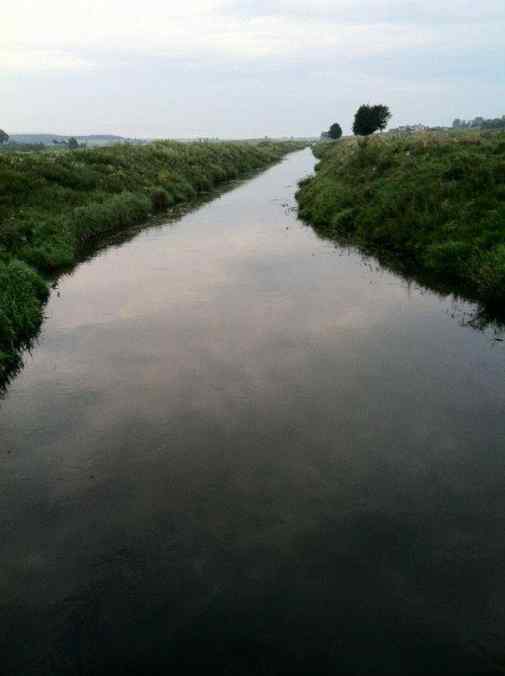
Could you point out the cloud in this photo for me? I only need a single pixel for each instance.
(374, 11)
(292, 55)
(17, 59)
(240, 30)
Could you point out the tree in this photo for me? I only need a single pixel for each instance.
(72, 143)
(335, 131)
(369, 119)
(3, 136)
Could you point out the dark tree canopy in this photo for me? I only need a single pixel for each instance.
(3, 136)
(335, 131)
(369, 119)
(72, 143)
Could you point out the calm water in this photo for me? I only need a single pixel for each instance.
(237, 446)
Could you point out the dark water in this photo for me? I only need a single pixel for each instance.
(237, 448)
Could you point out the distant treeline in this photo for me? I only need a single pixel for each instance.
(22, 147)
(480, 123)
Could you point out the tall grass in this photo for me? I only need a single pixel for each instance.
(435, 201)
(54, 203)
(22, 292)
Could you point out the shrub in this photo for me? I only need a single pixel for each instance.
(490, 276)
(451, 256)
(22, 292)
(160, 200)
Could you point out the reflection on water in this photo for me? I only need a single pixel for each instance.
(237, 447)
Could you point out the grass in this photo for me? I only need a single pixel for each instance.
(54, 204)
(435, 202)
(22, 292)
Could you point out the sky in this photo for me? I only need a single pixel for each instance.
(245, 68)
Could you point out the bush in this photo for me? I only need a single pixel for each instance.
(160, 200)
(451, 256)
(490, 276)
(22, 293)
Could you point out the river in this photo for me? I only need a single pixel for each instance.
(239, 447)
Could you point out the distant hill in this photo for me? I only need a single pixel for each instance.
(90, 140)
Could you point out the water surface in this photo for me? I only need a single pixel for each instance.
(238, 446)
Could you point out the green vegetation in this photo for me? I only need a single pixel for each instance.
(53, 203)
(435, 202)
(22, 291)
(369, 119)
(333, 133)
(11, 146)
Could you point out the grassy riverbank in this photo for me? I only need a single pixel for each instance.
(434, 202)
(53, 204)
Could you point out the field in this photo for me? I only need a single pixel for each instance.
(53, 204)
(434, 203)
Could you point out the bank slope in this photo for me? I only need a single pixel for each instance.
(433, 202)
(54, 203)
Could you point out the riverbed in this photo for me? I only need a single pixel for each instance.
(238, 446)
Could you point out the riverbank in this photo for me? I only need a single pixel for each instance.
(432, 202)
(54, 204)
(235, 447)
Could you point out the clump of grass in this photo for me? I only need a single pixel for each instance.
(22, 293)
(434, 201)
(53, 204)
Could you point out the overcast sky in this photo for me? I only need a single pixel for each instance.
(244, 68)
